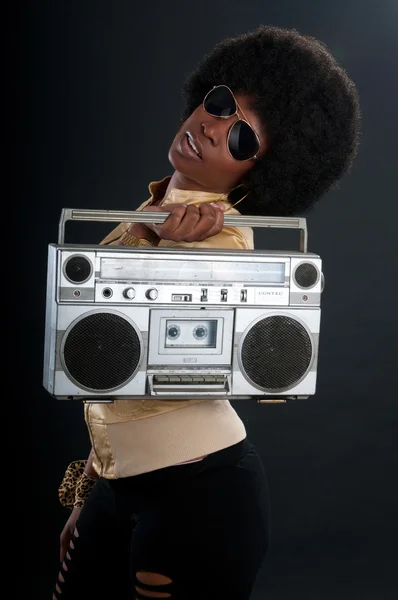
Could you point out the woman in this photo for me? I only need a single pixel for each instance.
(173, 502)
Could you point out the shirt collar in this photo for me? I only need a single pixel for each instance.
(157, 190)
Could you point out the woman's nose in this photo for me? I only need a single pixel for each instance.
(216, 129)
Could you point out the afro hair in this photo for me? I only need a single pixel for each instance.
(309, 107)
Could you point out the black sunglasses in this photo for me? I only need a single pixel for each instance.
(243, 142)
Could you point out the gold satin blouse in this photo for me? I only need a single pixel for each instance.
(235, 238)
(130, 437)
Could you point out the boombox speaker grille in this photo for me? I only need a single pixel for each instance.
(276, 353)
(102, 351)
(306, 275)
(77, 269)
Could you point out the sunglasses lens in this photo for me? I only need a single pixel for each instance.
(220, 102)
(242, 141)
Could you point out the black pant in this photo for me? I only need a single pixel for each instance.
(205, 526)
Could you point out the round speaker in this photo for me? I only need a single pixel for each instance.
(276, 353)
(306, 275)
(101, 351)
(77, 269)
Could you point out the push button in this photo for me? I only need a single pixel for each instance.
(161, 379)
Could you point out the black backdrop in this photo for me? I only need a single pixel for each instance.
(96, 105)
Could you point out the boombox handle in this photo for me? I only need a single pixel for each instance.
(74, 214)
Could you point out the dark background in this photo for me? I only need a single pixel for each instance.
(95, 103)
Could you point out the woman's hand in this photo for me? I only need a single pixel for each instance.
(188, 223)
(142, 232)
(67, 532)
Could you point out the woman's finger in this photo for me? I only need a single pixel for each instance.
(172, 222)
(211, 223)
(188, 224)
(180, 223)
(218, 224)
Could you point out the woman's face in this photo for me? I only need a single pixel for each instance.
(214, 170)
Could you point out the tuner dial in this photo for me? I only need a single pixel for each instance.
(129, 293)
(152, 294)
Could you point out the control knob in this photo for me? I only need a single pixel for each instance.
(152, 294)
(129, 293)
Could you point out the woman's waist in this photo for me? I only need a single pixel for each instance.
(130, 447)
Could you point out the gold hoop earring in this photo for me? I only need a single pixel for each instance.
(225, 196)
(245, 196)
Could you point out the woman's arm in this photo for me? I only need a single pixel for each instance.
(187, 223)
(70, 526)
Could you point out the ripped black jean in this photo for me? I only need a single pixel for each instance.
(200, 530)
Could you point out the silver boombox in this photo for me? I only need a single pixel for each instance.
(171, 323)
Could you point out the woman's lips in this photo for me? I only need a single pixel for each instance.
(186, 148)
